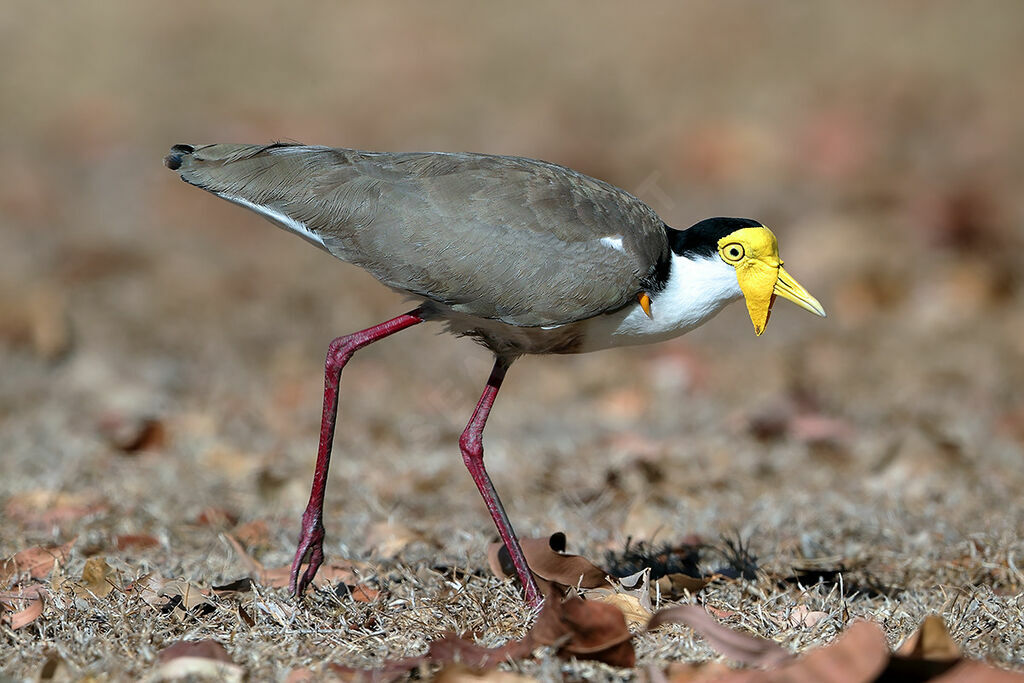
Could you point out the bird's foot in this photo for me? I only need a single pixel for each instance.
(311, 550)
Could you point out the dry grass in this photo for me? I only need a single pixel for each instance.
(884, 144)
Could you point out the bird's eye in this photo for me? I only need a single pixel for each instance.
(733, 252)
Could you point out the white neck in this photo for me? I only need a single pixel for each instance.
(695, 291)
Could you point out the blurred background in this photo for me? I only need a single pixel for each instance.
(161, 350)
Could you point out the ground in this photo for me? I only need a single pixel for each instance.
(161, 351)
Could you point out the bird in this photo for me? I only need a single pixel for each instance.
(524, 256)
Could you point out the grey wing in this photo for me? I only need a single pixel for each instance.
(517, 240)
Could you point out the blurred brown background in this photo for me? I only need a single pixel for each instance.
(161, 350)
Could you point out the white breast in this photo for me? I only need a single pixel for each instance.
(696, 290)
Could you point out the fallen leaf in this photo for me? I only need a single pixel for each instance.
(176, 594)
(133, 433)
(704, 672)
(207, 649)
(453, 649)
(460, 674)
(548, 561)
(36, 562)
(136, 541)
(197, 659)
(34, 596)
(630, 606)
(216, 516)
(95, 580)
(584, 629)
(245, 617)
(43, 508)
(243, 585)
(802, 616)
(362, 593)
(742, 647)
(676, 586)
(301, 675)
(978, 672)
(860, 654)
(575, 627)
(253, 534)
(931, 641)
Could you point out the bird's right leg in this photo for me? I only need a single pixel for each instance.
(311, 542)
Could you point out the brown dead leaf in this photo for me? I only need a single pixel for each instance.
(133, 433)
(860, 654)
(575, 627)
(549, 562)
(36, 562)
(216, 517)
(42, 508)
(978, 672)
(253, 534)
(245, 617)
(742, 647)
(136, 541)
(931, 642)
(705, 672)
(96, 579)
(363, 593)
(301, 675)
(676, 586)
(460, 674)
(197, 659)
(452, 649)
(34, 596)
(584, 629)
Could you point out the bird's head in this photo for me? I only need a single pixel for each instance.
(754, 252)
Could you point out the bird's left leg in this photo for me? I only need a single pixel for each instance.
(471, 444)
(311, 542)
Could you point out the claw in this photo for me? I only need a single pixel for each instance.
(311, 549)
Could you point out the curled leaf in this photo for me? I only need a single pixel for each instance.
(96, 579)
(742, 647)
(585, 629)
(549, 562)
(859, 654)
(34, 596)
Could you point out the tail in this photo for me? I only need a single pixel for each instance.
(223, 168)
(267, 179)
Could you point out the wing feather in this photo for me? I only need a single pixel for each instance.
(518, 240)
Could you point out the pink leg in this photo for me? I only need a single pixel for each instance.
(471, 444)
(311, 542)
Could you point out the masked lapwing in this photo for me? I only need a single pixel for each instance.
(525, 256)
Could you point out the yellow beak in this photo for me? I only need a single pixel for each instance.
(761, 282)
(788, 288)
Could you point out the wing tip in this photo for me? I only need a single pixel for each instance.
(177, 156)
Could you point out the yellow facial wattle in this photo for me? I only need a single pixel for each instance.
(754, 252)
